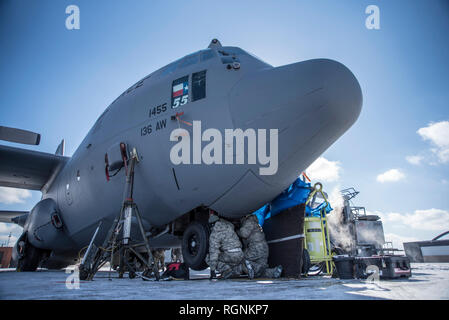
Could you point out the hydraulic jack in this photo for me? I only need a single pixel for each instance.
(126, 249)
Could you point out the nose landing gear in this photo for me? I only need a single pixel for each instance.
(28, 256)
(195, 245)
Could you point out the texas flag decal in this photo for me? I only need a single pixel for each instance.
(180, 92)
(180, 89)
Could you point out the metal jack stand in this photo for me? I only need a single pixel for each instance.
(96, 257)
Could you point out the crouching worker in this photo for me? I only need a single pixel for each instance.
(256, 249)
(225, 249)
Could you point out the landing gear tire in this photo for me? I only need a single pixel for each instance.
(195, 245)
(29, 257)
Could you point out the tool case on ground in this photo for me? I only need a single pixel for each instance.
(389, 267)
(176, 270)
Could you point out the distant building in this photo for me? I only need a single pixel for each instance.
(5, 256)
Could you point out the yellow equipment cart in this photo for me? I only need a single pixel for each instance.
(316, 235)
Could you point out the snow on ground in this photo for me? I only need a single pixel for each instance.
(428, 281)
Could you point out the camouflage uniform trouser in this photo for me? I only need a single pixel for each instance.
(176, 255)
(257, 255)
(260, 268)
(228, 261)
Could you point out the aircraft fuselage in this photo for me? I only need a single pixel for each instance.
(310, 103)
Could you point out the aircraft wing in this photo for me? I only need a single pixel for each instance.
(28, 169)
(17, 217)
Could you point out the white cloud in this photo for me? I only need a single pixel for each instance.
(12, 195)
(6, 229)
(7, 241)
(324, 170)
(391, 175)
(425, 220)
(438, 135)
(398, 240)
(416, 160)
(430, 220)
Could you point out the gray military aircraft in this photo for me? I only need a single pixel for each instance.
(311, 103)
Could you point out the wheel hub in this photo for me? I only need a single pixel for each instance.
(193, 248)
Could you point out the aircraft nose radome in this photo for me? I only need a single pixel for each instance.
(278, 97)
(342, 96)
(330, 105)
(311, 103)
(320, 89)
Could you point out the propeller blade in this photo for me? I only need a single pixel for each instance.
(19, 136)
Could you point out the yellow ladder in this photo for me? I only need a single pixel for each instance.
(315, 231)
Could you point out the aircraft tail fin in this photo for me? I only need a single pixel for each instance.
(17, 217)
(61, 148)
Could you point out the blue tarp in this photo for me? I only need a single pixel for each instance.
(295, 194)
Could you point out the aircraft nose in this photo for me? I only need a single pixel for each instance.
(311, 103)
(340, 99)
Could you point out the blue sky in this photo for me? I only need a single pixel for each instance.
(57, 82)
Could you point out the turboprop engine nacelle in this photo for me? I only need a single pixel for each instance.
(44, 227)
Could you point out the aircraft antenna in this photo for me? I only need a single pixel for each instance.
(214, 44)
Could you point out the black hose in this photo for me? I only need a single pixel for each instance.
(441, 235)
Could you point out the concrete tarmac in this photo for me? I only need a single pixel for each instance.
(428, 281)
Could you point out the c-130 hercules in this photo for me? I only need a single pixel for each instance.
(310, 103)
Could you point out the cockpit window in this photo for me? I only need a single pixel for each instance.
(236, 52)
(227, 57)
(223, 53)
(170, 68)
(189, 60)
(231, 51)
(206, 55)
(198, 85)
(181, 63)
(226, 60)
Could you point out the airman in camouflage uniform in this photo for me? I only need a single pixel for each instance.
(256, 249)
(225, 249)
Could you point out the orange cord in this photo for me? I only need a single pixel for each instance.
(304, 174)
(178, 117)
